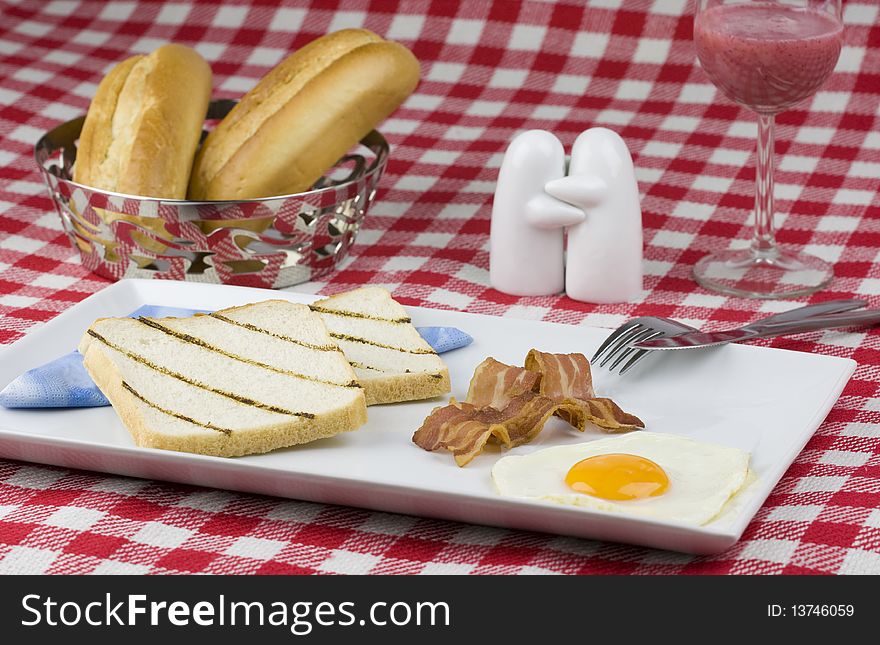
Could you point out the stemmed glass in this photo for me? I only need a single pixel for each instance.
(767, 55)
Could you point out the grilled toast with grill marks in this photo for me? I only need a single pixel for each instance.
(392, 361)
(239, 381)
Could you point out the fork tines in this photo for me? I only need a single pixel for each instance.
(617, 345)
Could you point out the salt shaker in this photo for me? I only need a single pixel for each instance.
(526, 256)
(604, 253)
(597, 201)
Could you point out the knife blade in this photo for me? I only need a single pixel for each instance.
(697, 339)
(633, 355)
(693, 340)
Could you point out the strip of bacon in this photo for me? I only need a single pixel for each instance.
(510, 405)
(563, 376)
(526, 415)
(494, 384)
(603, 412)
(464, 429)
(566, 378)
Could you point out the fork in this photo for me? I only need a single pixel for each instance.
(617, 346)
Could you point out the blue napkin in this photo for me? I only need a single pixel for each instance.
(444, 339)
(65, 383)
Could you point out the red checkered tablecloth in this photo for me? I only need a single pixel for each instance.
(490, 70)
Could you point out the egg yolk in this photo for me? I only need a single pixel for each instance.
(618, 477)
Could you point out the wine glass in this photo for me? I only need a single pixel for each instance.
(767, 55)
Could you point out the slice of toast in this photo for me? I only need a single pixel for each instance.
(391, 360)
(240, 381)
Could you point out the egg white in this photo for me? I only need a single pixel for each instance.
(702, 476)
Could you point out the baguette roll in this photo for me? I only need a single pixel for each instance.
(143, 126)
(303, 116)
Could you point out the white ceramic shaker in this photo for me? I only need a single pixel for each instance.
(604, 252)
(526, 243)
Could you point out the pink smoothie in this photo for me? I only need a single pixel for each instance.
(767, 56)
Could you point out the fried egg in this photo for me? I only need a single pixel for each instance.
(640, 473)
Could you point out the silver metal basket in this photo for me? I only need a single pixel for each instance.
(272, 242)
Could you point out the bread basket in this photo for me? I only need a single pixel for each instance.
(272, 242)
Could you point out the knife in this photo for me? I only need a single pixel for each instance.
(792, 315)
(762, 329)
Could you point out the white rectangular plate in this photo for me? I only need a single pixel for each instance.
(766, 401)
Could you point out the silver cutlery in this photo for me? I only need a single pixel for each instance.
(694, 340)
(618, 347)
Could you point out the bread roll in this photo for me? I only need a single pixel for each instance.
(303, 116)
(144, 124)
